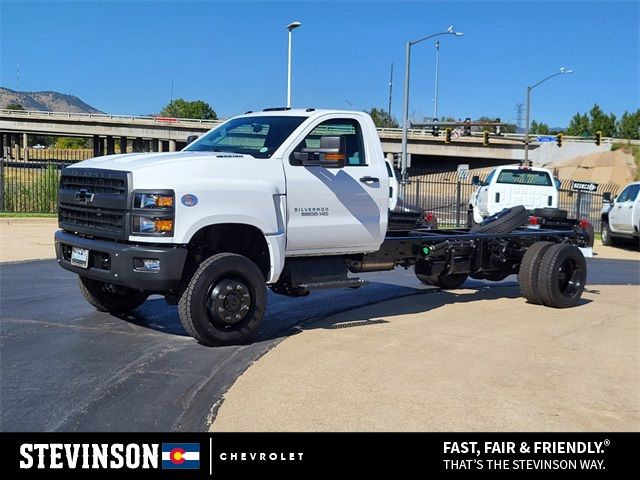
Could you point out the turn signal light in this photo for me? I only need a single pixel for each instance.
(164, 225)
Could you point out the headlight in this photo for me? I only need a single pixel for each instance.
(161, 226)
(153, 213)
(152, 200)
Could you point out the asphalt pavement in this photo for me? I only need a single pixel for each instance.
(67, 367)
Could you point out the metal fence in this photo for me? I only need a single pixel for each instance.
(447, 196)
(31, 186)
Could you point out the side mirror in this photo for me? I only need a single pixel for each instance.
(475, 180)
(606, 197)
(331, 154)
(191, 139)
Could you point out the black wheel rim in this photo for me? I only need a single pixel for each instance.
(569, 278)
(228, 302)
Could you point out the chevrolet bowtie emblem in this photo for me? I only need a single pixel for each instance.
(84, 197)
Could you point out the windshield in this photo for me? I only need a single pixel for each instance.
(256, 136)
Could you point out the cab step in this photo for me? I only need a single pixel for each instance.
(346, 283)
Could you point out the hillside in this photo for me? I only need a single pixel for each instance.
(45, 101)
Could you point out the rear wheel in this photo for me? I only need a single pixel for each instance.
(530, 271)
(562, 276)
(224, 301)
(605, 233)
(108, 297)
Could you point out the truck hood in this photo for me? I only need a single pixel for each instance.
(136, 161)
(191, 171)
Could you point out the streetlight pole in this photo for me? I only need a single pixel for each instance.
(405, 110)
(290, 27)
(435, 96)
(562, 71)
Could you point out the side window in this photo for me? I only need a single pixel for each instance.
(490, 177)
(347, 128)
(629, 194)
(623, 196)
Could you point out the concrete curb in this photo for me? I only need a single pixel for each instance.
(28, 221)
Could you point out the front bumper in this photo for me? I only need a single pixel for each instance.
(114, 262)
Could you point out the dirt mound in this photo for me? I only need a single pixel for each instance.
(603, 167)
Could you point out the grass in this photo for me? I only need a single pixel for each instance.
(27, 215)
(30, 189)
(633, 150)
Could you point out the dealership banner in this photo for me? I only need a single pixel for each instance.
(290, 455)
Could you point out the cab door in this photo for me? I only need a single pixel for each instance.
(483, 195)
(337, 209)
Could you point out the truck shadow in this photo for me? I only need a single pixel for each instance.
(337, 308)
(422, 302)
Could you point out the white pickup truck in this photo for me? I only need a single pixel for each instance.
(508, 186)
(289, 199)
(622, 217)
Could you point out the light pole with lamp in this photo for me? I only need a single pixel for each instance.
(405, 114)
(290, 27)
(435, 95)
(562, 71)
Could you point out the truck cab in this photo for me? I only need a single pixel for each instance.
(621, 219)
(509, 186)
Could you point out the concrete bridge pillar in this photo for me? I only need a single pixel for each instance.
(137, 145)
(172, 145)
(111, 146)
(25, 146)
(95, 142)
(160, 146)
(123, 144)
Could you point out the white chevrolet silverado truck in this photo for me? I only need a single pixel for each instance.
(512, 185)
(621, 218)
(292, 200)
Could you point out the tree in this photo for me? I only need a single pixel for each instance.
(629, 125)
(382, 118)
(600, 122)
(181, 108)
(14, 106)
(539, 128)
(578, 126)
(71, 142)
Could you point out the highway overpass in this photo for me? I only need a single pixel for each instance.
(146, 133)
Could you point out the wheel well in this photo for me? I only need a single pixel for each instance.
(245, 240)
(604, 217)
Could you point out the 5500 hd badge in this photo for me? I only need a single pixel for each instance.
(312, 211)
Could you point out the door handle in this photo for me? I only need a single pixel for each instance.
(369, 179)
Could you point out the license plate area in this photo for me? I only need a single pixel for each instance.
(80, 257)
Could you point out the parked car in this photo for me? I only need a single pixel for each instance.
(510, 186)
(620, 216)
(38, 147)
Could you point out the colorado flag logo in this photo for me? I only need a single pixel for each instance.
(181, 455)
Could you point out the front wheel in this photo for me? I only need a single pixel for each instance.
(224, 301)
(605, 233)
(108, 297)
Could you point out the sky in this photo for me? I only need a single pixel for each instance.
(122, 57)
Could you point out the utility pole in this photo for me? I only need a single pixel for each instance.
(390, 95)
